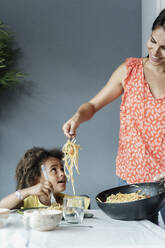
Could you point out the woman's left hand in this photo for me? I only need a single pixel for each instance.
(159, 177)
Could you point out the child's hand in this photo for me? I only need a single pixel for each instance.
(42, 190)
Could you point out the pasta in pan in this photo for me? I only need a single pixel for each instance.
(126, 197)
(71, 157)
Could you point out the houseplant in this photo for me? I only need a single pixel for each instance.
(9, 75)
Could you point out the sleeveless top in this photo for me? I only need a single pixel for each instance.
(141, 152)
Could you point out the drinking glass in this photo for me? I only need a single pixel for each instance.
(73, 211)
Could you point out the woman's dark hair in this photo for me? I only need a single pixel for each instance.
(29, 167)
(159, 21)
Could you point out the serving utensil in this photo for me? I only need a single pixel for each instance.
(73, 140)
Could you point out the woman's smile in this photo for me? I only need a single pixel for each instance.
(155, 59)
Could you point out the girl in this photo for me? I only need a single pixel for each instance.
(33, 190)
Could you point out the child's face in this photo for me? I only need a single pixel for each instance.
(55, 172)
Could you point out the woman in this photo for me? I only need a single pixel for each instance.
(141, 82)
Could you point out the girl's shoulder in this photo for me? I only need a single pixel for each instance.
(32, 201)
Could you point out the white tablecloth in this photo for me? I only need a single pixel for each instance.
(98, 232)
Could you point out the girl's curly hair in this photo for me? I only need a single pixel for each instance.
(29, 167)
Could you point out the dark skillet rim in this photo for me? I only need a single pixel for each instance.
(128, 202)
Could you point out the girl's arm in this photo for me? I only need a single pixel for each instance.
(112, 90)
(15, 200)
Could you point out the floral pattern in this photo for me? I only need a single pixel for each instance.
(141, 152)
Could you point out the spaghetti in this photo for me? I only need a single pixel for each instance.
(71, 156)
(55, 206)
(119, 197)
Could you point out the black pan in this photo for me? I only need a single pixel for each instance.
(135, 210)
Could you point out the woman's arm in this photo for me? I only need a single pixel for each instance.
(112, 90)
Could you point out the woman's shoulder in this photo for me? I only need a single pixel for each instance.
(130, 68)
(129, 63)
(132, 65)
(132, 61)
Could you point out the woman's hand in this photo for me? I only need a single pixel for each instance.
(69, 128)
(42, 190)
(159, 177)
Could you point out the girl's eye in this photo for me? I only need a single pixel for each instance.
(163, 48)
(54, 169)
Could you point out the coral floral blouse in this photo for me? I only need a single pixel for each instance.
(141, 152)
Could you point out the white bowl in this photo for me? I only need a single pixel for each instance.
(4, 214)
(42, 220)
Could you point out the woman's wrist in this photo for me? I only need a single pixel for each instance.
(77, 117)
(85, 112)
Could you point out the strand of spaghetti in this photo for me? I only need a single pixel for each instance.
(71, 157)
(76, 159)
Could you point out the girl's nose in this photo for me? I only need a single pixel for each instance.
(61, 173)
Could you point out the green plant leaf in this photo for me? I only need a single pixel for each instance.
(8, 55)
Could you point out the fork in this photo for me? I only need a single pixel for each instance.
(47, 179)
(73, 140)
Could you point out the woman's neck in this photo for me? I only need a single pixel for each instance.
(155, 68)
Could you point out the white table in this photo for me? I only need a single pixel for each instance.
(104, 233)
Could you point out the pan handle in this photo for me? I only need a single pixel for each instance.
(162, 185)
(161, 180)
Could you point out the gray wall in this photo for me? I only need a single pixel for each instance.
(69, 50)
(149, 13)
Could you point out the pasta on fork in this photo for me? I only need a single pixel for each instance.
(71, 157)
